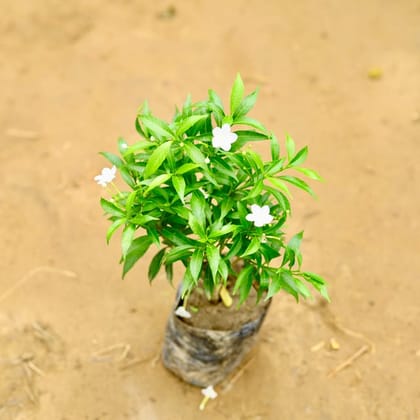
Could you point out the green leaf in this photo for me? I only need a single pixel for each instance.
(179, 185)
(137, 249)
(297, 182)
(156, 159)
(318, 282)
(275, 286)
(309, 173)
(300, 157)
(236, 94)
(198, 208)
(223, 269)
(196, 263)
(142, 219)
(155, 265)
(290, 148)
(256, 191)
(229, 228)
(250, 122)
(115, 160)
(197, 227)
(213, 257)
(111, 208)
(253, 247)
(187, 123)
(288, 279)
(125, 174)
(214, 97)
(139, 146)
(178, 253)
(274, 147)
(122, 146)
(127, 238)
(195, 154)
(280, 197)
(156, 182)
(169, 269)
(280, 185)
(111, 230)
(275, 167)
(235, 248)
(244, 283)
(186, 167)
(157, 127)
(177, 238)
(246, 105)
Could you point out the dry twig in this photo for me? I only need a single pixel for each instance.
(237, 375)
(364, 349)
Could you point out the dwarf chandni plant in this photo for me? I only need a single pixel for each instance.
(203, 199)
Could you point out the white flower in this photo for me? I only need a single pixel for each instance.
(207, 160)
(106, 176)
(182, 312)
(209, 393)
(223, 137)
(259, 215)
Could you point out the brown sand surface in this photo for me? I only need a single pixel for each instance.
(77, 342)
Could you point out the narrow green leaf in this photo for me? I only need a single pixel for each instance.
(111, 208)
(246, 105)
(156, 159)
(115, 160)
(179, 184)
(214, 97)
(139, 146)
(235, 248)
(229, 228)
(178, 253)
(195, 154)
(309, 173)
(297, 182)
(197, 227)
(253, 247)
(142, 219)
(223, 269)
(198, 208)
(244, 283)
(236, 94)
(188, 122)
(111, 230)
(280, 185)
(156, 126)
(157, 182)
(156, 264)
(290, 148)
(169, 269)
(275, 286)
(127, 238)
(196, 263)
(300, 157)
(274, 147)
(186, 167)
(275, 167)
(137, 249)
(250, 122)
(213, 257)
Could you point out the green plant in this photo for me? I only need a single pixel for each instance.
(203, 199)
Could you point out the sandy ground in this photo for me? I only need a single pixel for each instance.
(71, 77)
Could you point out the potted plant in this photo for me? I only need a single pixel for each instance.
(200, 196)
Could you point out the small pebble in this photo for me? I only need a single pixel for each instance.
(334, 344)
